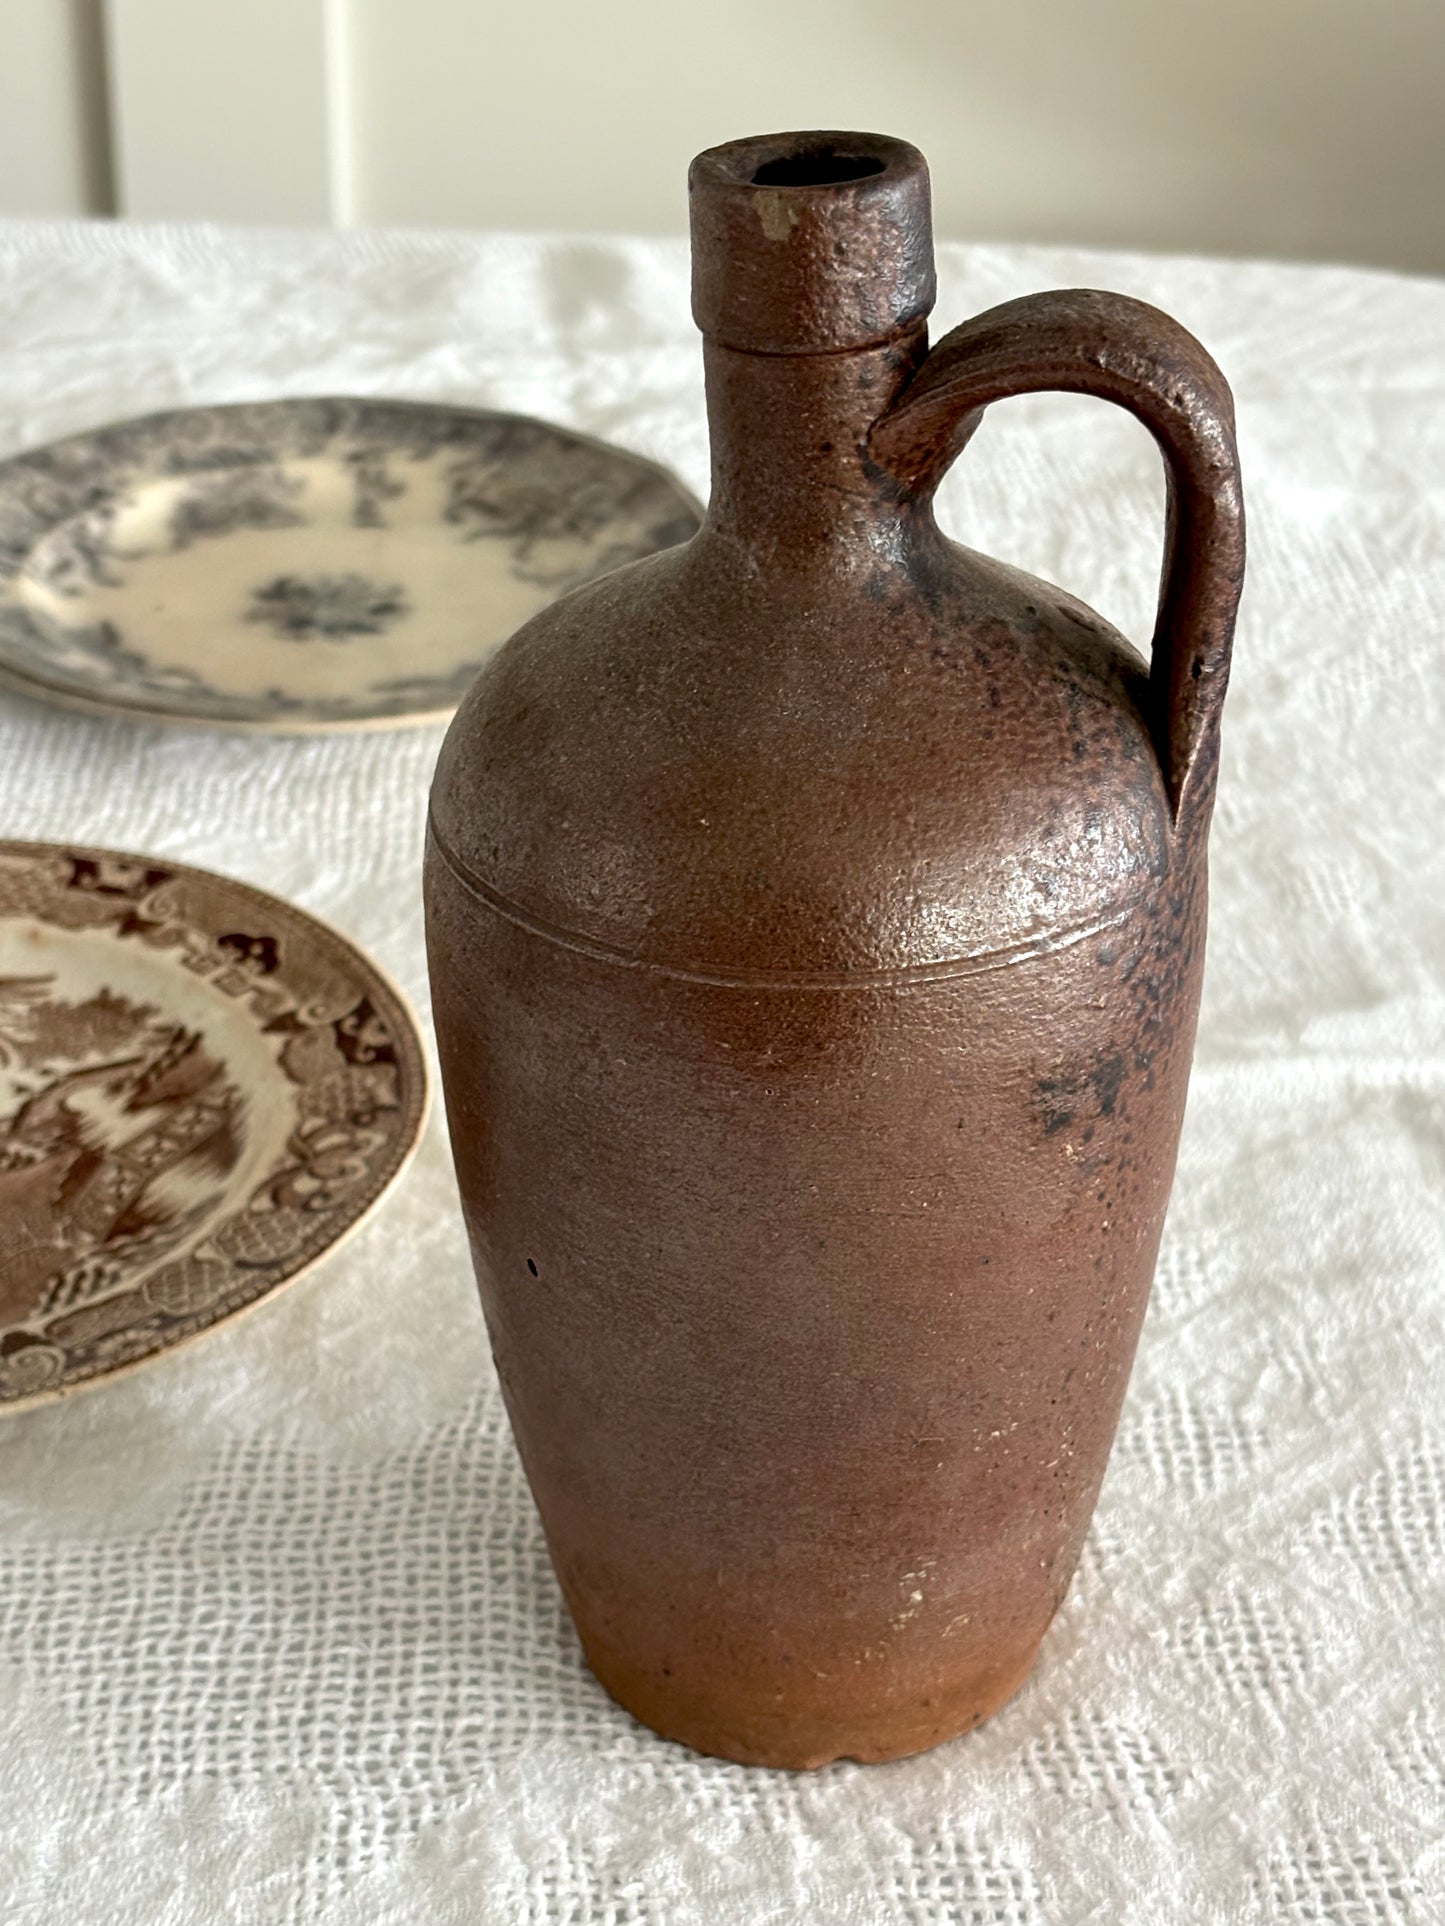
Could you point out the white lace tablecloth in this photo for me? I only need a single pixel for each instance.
(278, 1637)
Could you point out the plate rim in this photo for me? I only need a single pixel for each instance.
(406, 1156)
(60, 695)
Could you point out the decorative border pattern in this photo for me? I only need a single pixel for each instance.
(349, 1065)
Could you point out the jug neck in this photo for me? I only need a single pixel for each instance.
(812, 280)
(792, 482)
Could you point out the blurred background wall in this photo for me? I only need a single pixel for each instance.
(1306, 128)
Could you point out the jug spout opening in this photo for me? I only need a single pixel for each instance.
(810, 243)
(817, 167)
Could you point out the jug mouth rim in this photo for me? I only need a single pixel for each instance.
(810, 242)
(819, 162)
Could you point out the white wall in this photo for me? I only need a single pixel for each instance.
(53, 132)
(230, 110)
(1297, 127)
(1293, 127)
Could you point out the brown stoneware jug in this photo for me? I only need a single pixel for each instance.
(816, 917)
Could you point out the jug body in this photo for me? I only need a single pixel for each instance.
(816, 920)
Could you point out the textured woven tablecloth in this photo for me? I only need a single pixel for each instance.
(278, 1636)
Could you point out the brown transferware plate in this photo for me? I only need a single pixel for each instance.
(202, 1090)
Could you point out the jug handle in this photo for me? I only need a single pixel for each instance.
(1087, 342)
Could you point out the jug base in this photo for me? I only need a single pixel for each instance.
(803, 1739)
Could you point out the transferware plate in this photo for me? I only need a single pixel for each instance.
(202, 1090)
(305, 564)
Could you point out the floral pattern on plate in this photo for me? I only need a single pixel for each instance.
(168, 567)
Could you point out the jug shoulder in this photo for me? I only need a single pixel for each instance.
(752, 777)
